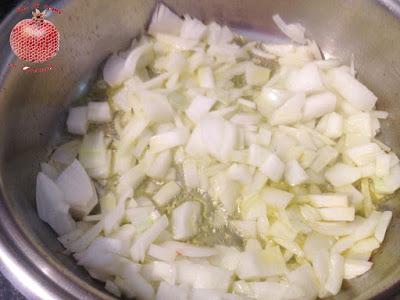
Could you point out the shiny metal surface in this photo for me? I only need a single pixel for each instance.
(33, 108)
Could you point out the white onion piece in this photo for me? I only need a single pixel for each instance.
(134, 284)
(112, 288)
(102, 255)
(304, 278)
(328, 200)
(199, 107)
(363, 154)
(273, 167)
(156, 107)
(162, 253)
(166, 193)
(135, 127)
(227, 257)
(331, 125)
(219, 136)
(240, 172)
(290, 112)
(188, 250)
(257, 155)
(354, 268)
(341, 174)
(159, 167)
(352, 90)
(93, 155)
(382, 164)
(259, 264)
(337, 213)
(205, 77)
(389, 183)
(119, 67)
(99, 112)
(306, 79)
(77, 121)
(294, 173)
(85, 239)
(176, 42)
(192, 29)
(201, 276)
(218, 34)
(66, 153)
(75, 184)
(165, 21)
(269, 99)
(159, 271)
(205, 294)
(382, 226)
(318, 105)
(256, 75)
(225, 190)
(171, 292)
(49, 170)
(293, 31)
(190, 173)
(185, 220)
(195, 145)
(276, 198)
(246, 229)
(143, 241)
(336, 273)
(51, 206)
(168, 140)
(114, 217)
(131, 179)
(324, 157)
(252, 208)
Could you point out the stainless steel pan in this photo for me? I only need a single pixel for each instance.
(33, 108)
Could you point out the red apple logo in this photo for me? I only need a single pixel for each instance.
(35, 40)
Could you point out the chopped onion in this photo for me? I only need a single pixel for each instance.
(306, 79)
(66, 153)
(171, 292)
(199, 108)
(119, 68)
(77, 121)
(185, 219)
(290, 112)
(279, 176)
(294, 173)
(318, 105)
(352, 90)
(168, 140)
(165, 21)
(99, 112)
(328, 200)
(341, 174)
(76, 185)
(166, 193)
(276, 198)
(202, 276)
(51, 206)
(49, 170)
(354, 268)
(159, 271)
(294, 31)
(143, 242)
(192, 29)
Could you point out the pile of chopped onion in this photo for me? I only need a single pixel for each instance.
(280, 140)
